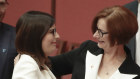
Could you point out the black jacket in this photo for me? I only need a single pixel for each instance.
(7, 50)
(79, 62)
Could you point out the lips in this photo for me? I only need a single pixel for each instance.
(100, 41)
(54, 43)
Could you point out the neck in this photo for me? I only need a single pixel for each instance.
(115, 53)
(112, 59)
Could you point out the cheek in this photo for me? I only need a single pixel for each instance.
(47, 45)
(104, 43)
(48, 48)
(46, 42)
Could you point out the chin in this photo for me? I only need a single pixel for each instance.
(100, 45)
(53, 50)
(50, 51)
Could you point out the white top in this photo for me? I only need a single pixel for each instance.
(138, 38)
(27, 68)
(91, 71)
(98, 77)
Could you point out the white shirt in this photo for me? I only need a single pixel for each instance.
(92, 67)
(138, 38)
(27, 68)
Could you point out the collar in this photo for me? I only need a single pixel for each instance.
(94, 49)
(129, 66)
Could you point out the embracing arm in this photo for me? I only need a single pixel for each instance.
(63, 64)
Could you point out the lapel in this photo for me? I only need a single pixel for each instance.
(128, 69)
(118, 75)
(92, 64)
(50, 73)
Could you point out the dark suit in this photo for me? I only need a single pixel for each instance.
(84, 62)
(133, 7)
(7, 50)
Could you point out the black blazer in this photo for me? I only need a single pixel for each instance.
(133, 7)
(7, 50)
(84, 62)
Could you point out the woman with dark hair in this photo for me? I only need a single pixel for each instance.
(109, 58)
(35, 39)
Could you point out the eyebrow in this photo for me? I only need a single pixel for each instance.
(52, 28)
(101, 29)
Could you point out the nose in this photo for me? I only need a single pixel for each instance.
(96, 35)
(57, 35)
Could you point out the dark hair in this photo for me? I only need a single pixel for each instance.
(121, 24)
(30, 30)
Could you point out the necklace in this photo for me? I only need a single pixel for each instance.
(107, 73)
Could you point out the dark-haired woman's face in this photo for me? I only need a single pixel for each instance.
(49, 41)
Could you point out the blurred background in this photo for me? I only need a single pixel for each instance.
(73, 17)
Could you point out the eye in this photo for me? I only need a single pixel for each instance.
(52, 31)
(101, 33)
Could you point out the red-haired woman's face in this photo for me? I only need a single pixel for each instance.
(101, 34)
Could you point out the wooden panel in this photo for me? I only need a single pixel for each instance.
(73, 46)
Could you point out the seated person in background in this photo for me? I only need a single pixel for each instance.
(35, 39)
(109, 58)
(7, 44)
(134, 43)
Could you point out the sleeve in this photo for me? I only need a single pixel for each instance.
(63, 64)
(26, 68)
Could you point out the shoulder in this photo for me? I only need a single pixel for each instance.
(130, 68)
(26, 67)
(26, 57)
(8, 26)
(89, 45)
(26, 63)
(131, 3)
(27, 60)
